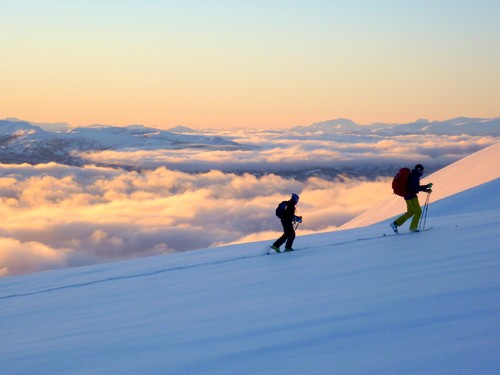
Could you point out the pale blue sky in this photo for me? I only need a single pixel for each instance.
(248, 63)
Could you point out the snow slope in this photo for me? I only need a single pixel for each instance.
(343, 303)
(471, 171)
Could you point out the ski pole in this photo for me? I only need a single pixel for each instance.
(424, 213)
(424, 216)
(427, 208)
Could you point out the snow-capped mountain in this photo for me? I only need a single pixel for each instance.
(332, 126)
(22, 142)
(181, 129)
(349, 302)
(48, 126)
(456, 126)
(136, 137)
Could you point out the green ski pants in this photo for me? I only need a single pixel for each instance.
(412, 209)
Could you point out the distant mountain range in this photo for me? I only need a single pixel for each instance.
(35, 143)
(456, 126)
(50, 126)
(24, 142)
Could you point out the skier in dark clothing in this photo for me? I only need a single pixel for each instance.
(412, 204)
(287, 221)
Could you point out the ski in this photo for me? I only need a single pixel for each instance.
(270, 251)
(393, 234)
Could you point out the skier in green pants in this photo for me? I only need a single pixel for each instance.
(412, 204)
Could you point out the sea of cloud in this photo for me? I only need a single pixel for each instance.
(56, 216)
(279, 152)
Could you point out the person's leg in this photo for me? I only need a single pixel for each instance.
(409, 213)
(287, 231)
(290, 235)
(280, 241)
(289, 241)
(417, 210)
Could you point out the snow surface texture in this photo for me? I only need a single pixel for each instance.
(343, 303)
(471, 171)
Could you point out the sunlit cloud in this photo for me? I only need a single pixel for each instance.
(57, 216)
(18, 257)
(67, 216)
(278, 152)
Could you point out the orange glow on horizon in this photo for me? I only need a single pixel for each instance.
(163, 64)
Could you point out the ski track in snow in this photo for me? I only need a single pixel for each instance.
(126, 277)
(197, 265)
(153, 273)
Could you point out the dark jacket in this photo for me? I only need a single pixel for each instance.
(289, 215)
(414, 186)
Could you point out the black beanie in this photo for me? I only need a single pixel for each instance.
(419, 167)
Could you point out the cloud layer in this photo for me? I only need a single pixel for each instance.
(280, 153)
(56, 216)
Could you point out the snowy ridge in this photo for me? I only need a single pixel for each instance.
(22, 142)
(425, 303)
(471, 171)
(456, 126)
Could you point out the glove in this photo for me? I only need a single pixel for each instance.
(298, 219)
(428, 190)
(430, 185)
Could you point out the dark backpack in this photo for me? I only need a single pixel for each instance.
(280, 210)
(400, 182)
